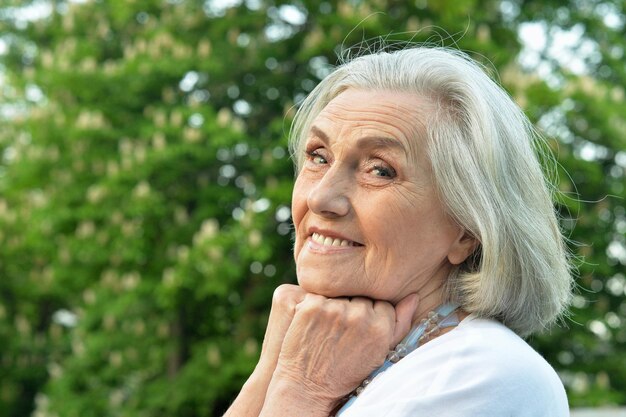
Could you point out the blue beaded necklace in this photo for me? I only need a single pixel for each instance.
(442, 317)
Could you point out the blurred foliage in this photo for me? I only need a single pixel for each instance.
(145, 184)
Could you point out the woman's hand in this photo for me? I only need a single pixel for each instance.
(252, 396)
(330, 346)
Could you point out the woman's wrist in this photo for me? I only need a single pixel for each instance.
(251, 398)
(287, 397)
(260, 378)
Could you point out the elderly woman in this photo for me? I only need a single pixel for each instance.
(426, 247)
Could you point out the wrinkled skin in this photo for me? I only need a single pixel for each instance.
(367, 179)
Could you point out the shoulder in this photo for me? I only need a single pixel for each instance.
(503, 351)
(493, 357)
(481, 368)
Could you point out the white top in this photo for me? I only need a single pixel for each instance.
(479, 369)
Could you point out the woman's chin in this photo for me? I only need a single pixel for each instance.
(327, 287)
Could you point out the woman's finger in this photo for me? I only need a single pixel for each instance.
(405, 310)
(284, 301)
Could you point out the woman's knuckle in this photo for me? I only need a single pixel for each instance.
(280, 294)
(335, 306)
(358, 315)
(310, 305)
(380, 329)
(286, 295)
(383, 307)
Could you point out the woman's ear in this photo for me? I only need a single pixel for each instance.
(464, 245)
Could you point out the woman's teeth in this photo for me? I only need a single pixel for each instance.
(329, 241)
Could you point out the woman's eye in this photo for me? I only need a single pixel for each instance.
(316, 158)
(385, 172)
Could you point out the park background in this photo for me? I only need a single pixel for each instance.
(145, 183)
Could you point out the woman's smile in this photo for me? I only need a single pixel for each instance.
(332, 242)
(325, 244)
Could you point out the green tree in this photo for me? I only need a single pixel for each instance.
(145, 185)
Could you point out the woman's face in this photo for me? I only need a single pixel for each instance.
(367, 218)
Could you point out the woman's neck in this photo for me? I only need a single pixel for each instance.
(430, 299)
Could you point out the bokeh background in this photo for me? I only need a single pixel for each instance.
(145, 183)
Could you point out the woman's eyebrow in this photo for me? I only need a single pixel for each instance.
(371, 142)
(320, 134)
(376, 142)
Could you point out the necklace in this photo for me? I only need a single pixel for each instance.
(442, 317)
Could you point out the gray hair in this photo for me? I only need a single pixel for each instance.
(484, 154)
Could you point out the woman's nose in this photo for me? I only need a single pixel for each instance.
(330, 195)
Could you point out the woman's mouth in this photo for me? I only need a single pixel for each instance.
(330, 241)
